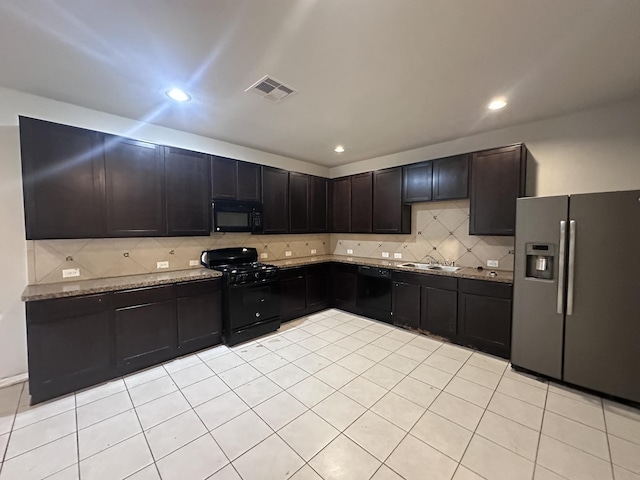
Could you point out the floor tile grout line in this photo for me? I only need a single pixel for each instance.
(13, 422)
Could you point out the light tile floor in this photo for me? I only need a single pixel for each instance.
(329, 396)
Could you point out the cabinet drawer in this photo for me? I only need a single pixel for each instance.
(486, 288)
(141, 296)
(426, 280)
(198, 287)
(289, 273)
(45, 311)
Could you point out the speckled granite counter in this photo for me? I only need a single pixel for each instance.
(503, 276)
(87, 287)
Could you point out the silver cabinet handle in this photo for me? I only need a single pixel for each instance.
(572, 265)
(561, 261)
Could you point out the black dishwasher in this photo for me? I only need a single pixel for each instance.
(374, 293)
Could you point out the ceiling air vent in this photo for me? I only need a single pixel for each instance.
(271, 89)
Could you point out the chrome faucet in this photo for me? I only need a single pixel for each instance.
(431, 261)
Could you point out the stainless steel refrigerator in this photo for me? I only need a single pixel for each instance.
(576, 305)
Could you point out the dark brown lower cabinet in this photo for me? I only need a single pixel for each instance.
(293, 292)
(80, 341)
(199, 311)
(318, 287)
(69, 342)
(344, 279)
(406, 304)
(145, 327)
(484, 316)
(439, 311)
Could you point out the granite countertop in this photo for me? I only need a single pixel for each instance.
(503, 276)
(87, 287)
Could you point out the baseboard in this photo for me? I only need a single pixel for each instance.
(7, 382)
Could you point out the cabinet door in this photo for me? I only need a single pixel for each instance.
(406, 304)
(390, 215)
(145, 327)
(361, 202)
(275, 200)
(187, 192)
(485, 323)
(439, 311)
(135, 190)
(69, 343)
(318, 200)
(341, 205)
(223, 178)
(298, 203)
(418, 182)
(497, 180)
(249, 182)
(344, 285)
(293, 291)
(451, 178)
(63, 178)
(318, 287)
(199, 310)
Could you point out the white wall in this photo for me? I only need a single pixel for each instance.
(590, 151)
(13, 254)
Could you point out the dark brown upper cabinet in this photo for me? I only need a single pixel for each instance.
(418, 182)
(63, 179)
(340, 205)
(451, 178)
(497, 180)
(390, 214)
(275, 200)
(224, 179)
(361, 203)
(249, 180)
(318, 205)
(135, 193)
(187, 175)
(235, 180)
(299, 187)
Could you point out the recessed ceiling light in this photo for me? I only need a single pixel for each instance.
(339, 149)
(497, 104)
(178, 95)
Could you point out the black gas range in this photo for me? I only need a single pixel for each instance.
(250, 300)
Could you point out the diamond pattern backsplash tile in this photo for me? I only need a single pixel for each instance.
(115, 257)
(440, 230)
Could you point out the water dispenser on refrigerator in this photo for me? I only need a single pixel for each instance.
(540, 260)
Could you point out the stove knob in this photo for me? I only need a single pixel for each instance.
(232, 278)
(257, 314)
(257, 275)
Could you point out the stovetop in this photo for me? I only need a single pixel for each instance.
(253, 272)
(242, 267)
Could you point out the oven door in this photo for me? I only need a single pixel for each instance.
(254, 303)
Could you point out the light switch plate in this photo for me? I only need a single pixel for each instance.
(385, 254)
(287, 253)
(313, 251)
(264, 255)
(194, 263)
(349, 251)
(397, 255)
(492, 263)
(162, 264)
(70, 272)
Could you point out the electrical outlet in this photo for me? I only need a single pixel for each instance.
(385, 254)
(287, 253)
(194, 263)
(313, 251)
(70, 272)
(349, 251)
(397, 255)
(162, 264)
(492, 263)
(264, 255)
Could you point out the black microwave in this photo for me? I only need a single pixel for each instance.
(236, 216)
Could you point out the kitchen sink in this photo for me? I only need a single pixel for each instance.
(429, 266)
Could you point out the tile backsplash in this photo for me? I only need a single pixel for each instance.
(439, 230)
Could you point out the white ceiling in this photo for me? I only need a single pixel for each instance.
(377, 76)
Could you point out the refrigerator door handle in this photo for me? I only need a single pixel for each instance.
(561, 263)
(572, 258)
